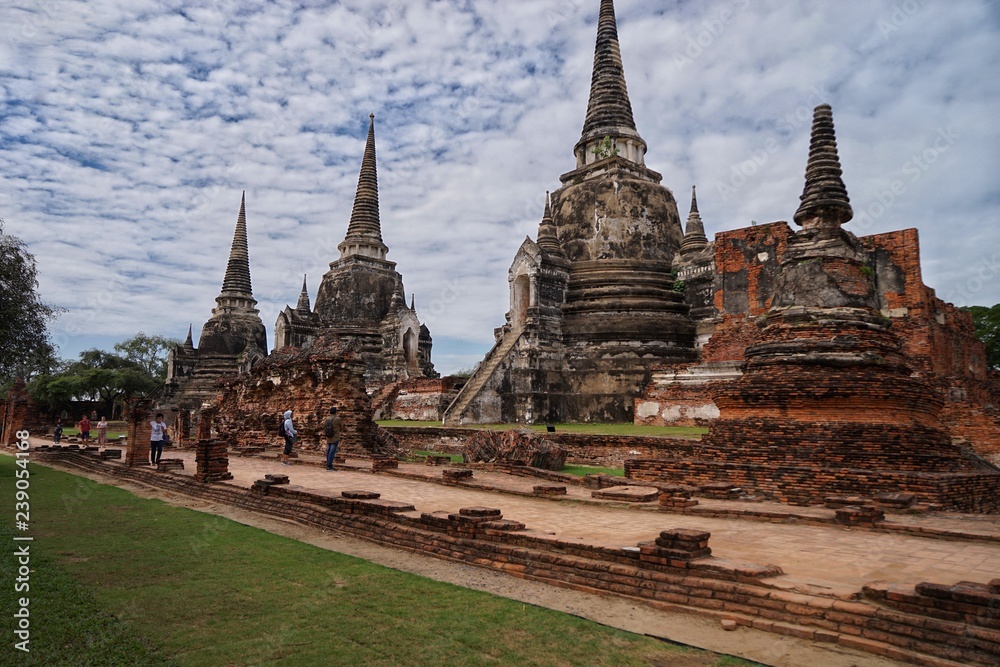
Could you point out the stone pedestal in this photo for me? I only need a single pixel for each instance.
(138, 414)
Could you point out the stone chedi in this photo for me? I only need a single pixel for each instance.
(231, 341)
(360, 299)
(592, 304)
(827, 403)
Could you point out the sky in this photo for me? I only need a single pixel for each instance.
(130, 128)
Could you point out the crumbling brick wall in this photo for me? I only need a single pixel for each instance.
(308, 382)
(21, 412)
(421, 399)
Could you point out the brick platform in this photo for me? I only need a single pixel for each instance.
(930, 624)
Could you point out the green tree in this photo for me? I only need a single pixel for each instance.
(150, 352)
(25, 347)
(987, 323)
(97, 376)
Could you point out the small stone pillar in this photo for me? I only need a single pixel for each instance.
(182, 428)
(138, 415)
(205, 420)
(212, 461)
(16, 413)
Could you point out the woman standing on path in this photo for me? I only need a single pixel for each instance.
(102, 431)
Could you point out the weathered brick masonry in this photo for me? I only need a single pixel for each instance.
(583, 449)
(938, 340)
(838, 391)
(308, 382)
(20, 412)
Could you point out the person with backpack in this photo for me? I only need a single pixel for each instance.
(331, 429)
(287, 430)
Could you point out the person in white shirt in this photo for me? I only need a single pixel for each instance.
(157, 434)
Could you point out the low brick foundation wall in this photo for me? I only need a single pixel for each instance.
(584, 449)
(803, 485)
(931, 625)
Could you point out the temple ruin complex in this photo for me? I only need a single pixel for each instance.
(618, 314)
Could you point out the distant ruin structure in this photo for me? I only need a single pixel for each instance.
(361, 298)
(231, 341)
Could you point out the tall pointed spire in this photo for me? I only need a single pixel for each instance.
(303, 305)
(824, 198)
(237, 280)
(609, 111)
(189, 342)
(548, 240)
(364, 233)
(694, 236)
(413, 302)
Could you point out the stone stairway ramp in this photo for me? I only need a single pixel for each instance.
(468, 393)
(383, 399)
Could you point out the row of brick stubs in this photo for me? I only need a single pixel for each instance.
(917, 634)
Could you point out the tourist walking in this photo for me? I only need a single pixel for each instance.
(331, 429)
(157, 434)
(288, 431)
(102, 431)
(85, 429)
(57, 434)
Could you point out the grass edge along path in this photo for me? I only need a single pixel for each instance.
(204, 590)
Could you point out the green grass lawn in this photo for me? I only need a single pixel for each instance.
(112, 435)
(592, 470)
(122, 580)
(593, 429)
(455, 458)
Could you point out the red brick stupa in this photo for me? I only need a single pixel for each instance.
(827, 404)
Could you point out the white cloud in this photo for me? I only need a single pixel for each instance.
(129, 130)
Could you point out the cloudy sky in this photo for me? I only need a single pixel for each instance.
(130, 128)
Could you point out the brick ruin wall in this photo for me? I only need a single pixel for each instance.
(582, 449)
(309, 382)
(938, 339)
(420, 399)
(939, 342)
(932, 624)
(21, 412)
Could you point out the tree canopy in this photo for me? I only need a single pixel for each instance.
(96, 376)
(25, 346)
(987, 323)
(150, 352)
